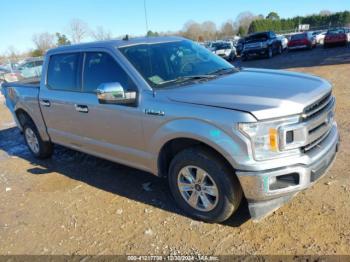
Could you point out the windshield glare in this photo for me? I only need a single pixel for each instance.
(160, 63)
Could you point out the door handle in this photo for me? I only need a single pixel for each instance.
(45, 103)
(81, 108)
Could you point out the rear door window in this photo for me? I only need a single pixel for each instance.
(63, 72)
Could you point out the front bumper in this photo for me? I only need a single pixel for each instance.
(255, 52)
(297, 47)
(267, 184)
(335, 42)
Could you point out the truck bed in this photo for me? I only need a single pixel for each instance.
(29, 82)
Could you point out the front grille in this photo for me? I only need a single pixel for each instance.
(316, 108)
(319, 118)
(252, 46)
(311, 145)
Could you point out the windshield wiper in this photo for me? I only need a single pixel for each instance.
(182, 79)
(222, 71)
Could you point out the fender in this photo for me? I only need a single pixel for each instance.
(231, 146)
(28, 103)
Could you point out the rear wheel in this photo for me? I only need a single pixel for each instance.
(39, 148)
(203, 186)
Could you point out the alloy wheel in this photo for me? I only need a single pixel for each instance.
(198, 188)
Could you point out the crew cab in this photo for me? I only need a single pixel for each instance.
(261, 44)
(172, 108)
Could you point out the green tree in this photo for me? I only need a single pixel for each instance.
(273, 16)
(36, 53)
(62, 39)
(241, 31)
(150, 33)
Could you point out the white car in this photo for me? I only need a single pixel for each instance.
(31, 68)
(225, 50)
(284, 41)
(320, 37)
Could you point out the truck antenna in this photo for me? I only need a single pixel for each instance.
(146, 17)
(149, 54)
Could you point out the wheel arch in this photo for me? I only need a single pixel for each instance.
(21, 114)
(173, 146)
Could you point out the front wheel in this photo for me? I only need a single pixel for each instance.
(280, 49)
(232, 57)
(39, 148)
(203, 186)
(270, 53)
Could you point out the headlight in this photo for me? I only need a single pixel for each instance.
(265, 137)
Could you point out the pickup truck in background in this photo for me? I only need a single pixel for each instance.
(261, 44)
(170, 107)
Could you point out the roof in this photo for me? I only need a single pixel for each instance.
(117, 43)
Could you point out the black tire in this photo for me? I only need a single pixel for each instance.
(232, 57)
(45, 148)
(228, 187)
(269, 54)
(244, 57)
(280, 49)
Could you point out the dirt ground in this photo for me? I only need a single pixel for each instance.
(78, 204)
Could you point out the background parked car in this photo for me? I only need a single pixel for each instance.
(339, 36)
(261, 44)
(284, 41)
(3, 71)
(225, 50)
(27, 69)
(239, 46)
(31, 68)
(302, 41)
(320, 37)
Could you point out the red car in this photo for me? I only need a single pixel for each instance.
(337, 37)
(302, 41)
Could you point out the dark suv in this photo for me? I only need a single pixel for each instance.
(261, 44)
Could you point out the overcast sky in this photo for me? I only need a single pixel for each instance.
(20, 19)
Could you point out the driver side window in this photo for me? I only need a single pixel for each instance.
(99, 68)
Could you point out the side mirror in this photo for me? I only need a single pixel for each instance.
(114, 93)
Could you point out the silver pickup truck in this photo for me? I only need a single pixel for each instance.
(172, 108)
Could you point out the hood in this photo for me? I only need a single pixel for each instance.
(264, 93)
(222, 51)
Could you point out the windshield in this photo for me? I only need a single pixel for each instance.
(336, 31)
(218, 46)
(298, 36)
(170, 63)
(257, 37)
